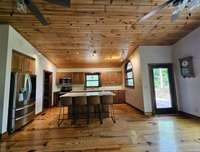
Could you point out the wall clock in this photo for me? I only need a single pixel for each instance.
(186, 66)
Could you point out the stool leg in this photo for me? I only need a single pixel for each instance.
(75, 114)
(100, 113)
(88, 114)
(113, 114)
(61, 116)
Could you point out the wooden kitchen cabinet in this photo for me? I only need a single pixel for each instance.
(119, 97)
(111, 78)
(78, 78)
(16, 62)
(22, 63)
(60, 75)
(32, 66)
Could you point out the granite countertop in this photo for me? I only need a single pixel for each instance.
(80, 94)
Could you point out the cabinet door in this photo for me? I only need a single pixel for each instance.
(117, 78)
(60, 75)
(105, 79)
(32, 66)
(78, 78)
(16, 62)
(121, 96)
(115, 98)
(26, 65)
(111, 78)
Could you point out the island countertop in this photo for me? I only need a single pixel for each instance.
(85, 93)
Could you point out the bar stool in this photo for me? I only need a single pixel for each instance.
(108, 100)
(78, 102)
(63, 102)
(95, 102)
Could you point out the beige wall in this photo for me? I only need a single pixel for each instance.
(134, 96)
(188, 88)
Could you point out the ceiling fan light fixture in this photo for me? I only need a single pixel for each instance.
(21, 6)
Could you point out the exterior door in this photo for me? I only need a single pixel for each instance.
(163, 88)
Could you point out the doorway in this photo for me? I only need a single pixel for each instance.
(47, 94)
(163, 88)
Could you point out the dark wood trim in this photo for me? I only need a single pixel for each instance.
(95, 73)
(125, 75)
(188, 115)
(50, 73)
(172, 88)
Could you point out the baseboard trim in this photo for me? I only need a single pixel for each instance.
(189, 115)
(148, 113)
(140, 111)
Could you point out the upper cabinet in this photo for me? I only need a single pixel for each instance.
(60, 75)
(22, 63)
(78, 78)
(111, 78)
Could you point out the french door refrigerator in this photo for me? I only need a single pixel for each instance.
(22, 100)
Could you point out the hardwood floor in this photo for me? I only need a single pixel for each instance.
(133, 132)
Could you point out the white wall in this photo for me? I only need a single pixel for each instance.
(151, 55)
(3, 57)
(134, 96)
(18, 43)
(189, 88)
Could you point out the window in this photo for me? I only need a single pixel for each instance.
(129, 77)
(92, 80)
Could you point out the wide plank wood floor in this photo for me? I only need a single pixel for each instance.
(133, 132)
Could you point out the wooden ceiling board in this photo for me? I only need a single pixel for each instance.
(111, 30)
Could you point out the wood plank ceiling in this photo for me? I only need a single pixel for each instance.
(111, 30)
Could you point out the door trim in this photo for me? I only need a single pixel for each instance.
(51, 97)
(172, 89)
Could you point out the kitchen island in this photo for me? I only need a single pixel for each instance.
(83, 110)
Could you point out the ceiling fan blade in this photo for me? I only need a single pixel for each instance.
(155, 10)
(35, 10)
(65, 3)
(178, 10)
(175, 15)
(193, 4)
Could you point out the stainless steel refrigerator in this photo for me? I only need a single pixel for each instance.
(22, 100)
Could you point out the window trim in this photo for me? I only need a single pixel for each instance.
(99, 84)
(126, 76)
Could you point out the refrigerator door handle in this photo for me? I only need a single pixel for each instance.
(28, 88)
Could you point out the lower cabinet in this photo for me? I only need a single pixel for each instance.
(119, 97)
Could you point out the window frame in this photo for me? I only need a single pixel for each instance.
(126, 75)
(99, 80)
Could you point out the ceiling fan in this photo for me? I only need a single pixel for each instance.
(24, 5)
(178, 5)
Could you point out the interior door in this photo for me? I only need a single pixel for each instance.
(163, 88)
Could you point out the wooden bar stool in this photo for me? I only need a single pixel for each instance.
(95, 102)
(77, 103)
(63, 102)
(108, 100)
